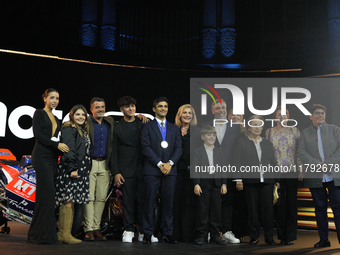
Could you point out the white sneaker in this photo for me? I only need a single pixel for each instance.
(127, 236)
(153, 238)
(230, 237)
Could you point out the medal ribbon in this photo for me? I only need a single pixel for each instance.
(161, 129)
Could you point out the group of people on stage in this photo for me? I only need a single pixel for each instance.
(147, 157)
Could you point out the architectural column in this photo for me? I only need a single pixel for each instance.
(108, 29)
(334, 25)
(209, 38)
(228, 32)
(89, 26)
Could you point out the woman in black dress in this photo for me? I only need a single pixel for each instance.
(46, 128)
(72, 182)
(184, 207)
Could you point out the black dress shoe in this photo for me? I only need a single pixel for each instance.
(147, 239)
(290, 243)
(272, 242)
(169, 239)
(253, 242)
(322, 243)
(218, 240)
(200, 241)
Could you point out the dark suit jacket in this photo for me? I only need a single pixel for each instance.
(151, 139)
(191, 140)
(110, 121)
(309, 153)
(72, 161)
(200, 158)
(245, 154)
(126, 157)
(228, 142)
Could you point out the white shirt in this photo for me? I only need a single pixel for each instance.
(259, 155)
(210, 153)
(220, 129)
(159, 122)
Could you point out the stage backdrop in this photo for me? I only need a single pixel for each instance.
(24, 79)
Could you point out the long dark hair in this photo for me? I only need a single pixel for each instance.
(71, 122)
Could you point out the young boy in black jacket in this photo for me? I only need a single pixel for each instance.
(208, 190)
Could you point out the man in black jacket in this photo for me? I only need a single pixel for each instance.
(127, 166)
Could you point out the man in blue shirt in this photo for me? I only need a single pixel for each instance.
(101, 135)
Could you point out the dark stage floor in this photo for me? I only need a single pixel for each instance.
(15, 244)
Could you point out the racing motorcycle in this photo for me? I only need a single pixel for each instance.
(17, 189)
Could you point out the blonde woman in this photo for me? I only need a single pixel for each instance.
(184, 207)
(72, 182)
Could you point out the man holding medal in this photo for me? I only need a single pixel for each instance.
(162, 146)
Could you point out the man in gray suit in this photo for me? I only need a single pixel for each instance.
(319, 151)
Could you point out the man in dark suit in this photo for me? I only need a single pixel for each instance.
(127, 166)
(162, 146)
(319, 149)
(227, 134)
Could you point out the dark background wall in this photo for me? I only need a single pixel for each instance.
(162, 53)
(24, 78)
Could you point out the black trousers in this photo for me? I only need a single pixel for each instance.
(320, 199)
(240, 213)
(227, 207)
(184, 208)
(209, 211)
(132, 189)
(260, 210)
(286, 210)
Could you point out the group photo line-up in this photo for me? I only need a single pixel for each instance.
(136, 178)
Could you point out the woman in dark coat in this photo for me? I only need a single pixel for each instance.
(184, 207)
(253, 156)
(72, 182)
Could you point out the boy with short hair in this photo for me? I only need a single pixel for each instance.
(208, 190)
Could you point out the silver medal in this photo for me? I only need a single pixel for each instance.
(164, 144)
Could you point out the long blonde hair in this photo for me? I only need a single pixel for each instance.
(178, 121)
(71, 122)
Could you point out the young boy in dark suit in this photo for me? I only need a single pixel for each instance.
(208, 190)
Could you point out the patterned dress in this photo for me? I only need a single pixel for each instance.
(69, 189)
(285, 145)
